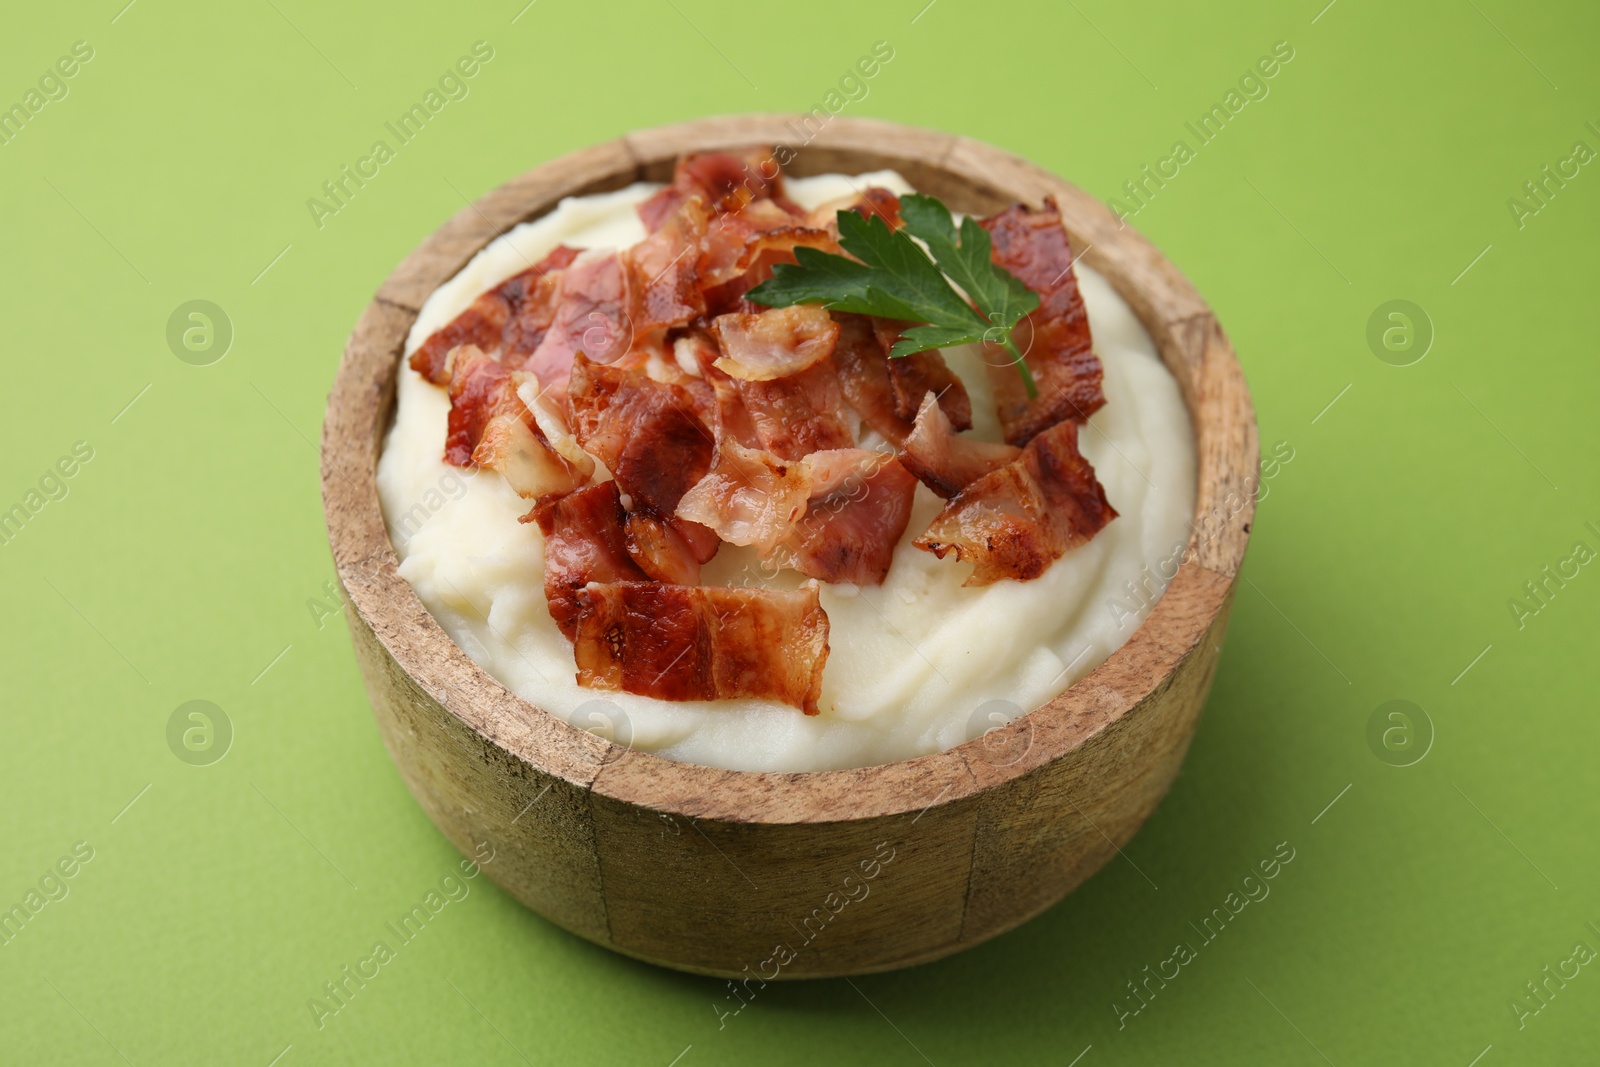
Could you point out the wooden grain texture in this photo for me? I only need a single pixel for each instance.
(764, 876)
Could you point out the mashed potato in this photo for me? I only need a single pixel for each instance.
(917, 665)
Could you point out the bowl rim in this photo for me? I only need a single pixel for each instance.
(1191, 344)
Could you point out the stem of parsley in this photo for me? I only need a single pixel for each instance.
(1022, 367)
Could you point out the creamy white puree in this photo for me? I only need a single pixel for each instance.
(915, 665)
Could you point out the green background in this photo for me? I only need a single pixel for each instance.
(181, 563)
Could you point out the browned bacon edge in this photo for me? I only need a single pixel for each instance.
(1015, 521)
(1054, 338)
(665, 266)
(509, 320)
(800, 414)
(915, 376)
(596, 313)
(728, 181)
(943, 460)
(584, 541)
(646, 432)
(868, 202)
(836, 515)
(480, 389)
(859, 506)
(748, 497)
(775, 343)
(702, 643)
(649, 436)
(489, 427)
(886, 392)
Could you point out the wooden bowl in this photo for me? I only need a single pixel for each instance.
(763, 875)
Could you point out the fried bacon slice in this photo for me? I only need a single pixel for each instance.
(491, 427)
(733, 240)
(644, 431)
(678, 642)
(730, 419)
(749, 497)
(549, 414)
(863, 372)
(508, 321)
(741, 250)
(511, 446)
(873, 200)
(481, 388)
(727, 181)
(915, 376)
(858, 507)
(648, 435)
(596, 313)
(665, 267)
(762, 251)
(835, 515)
(1016, 520)
(584, 541)
(660, 550)
(945, 461)
(800, 414)
(775, 343)
(1054, 338)
(886, 392)
(789, 416)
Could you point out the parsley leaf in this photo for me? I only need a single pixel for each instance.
(892, 277)
(1001, 295)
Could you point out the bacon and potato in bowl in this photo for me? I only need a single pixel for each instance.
(713, 489)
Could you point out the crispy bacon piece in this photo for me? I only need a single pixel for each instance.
(665, 267)
(721, 404)
(774, 343)
(915, 376)
(733, 179)
(727, 181)
(480, 389)
(596, 312)
(734, 240)
(731, 420)
(530, 466)
(549, 415)
(660, 550)
(762, 250)
(648, 435)
(1015, 521)
(644, 431)
(863, 371)
(945, 461)
(584, 541)
(800, 414)
(873, 200)
(886, 392)
(1054, 338)
(676, 642)
(859, 505)
(835, 515)
(508, 321)
(662, 205)
(491, 427)
(768, 246)
(924, 374)
(749, 497)
(880, 202)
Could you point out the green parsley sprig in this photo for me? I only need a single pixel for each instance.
(892, 277)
